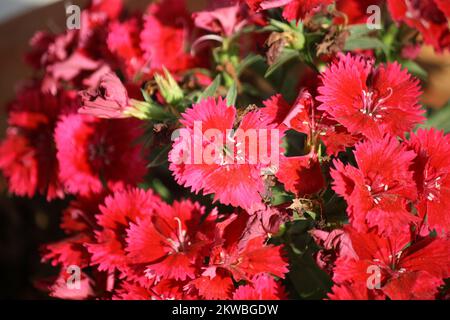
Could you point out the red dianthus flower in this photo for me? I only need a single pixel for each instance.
(370, 100)
(379, 190)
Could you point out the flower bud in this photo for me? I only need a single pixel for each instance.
(169, 88)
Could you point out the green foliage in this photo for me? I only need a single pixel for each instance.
(247, 62)
(361, 38)
(211, 90)
(306, 278)
(439, 119)
(232, 95)
(415, 69)
(286, 56)
(364, 43)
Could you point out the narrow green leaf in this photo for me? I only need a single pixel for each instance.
(160, 157)
(415, 69)
(146, 96)
(359, 30)
(211, 90)
(148, 111)
(248, 61)
(232, 95)
(354, 43)
(282, 26)
(285, 57)
(297, 25)
(158, 113)
(268, 28)
(161, 189)
(363, 43)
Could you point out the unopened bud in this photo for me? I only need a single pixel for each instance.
(169, 88)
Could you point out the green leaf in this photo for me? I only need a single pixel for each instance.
(312, 214)
(146, 96)
(364, 43)
(310, 282)
(297, 26)
(359, 30)
(211, 90)
(148, 111)
(279, 196)
(248, 61)
(161, 189)
(232, 95)
(360, 39)
(440, 119)
(161, 157)
(415, 69)
(282, 26)
(285, 57)
(268, 28)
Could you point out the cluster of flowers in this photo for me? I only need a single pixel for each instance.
(144, 248)
(76, 131)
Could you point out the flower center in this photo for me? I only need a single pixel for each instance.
(378, 187)
(391, 264)
(432, 187)
(100, 153)
(179, 243)
(374, 106)
(231, 152)
(377, 192)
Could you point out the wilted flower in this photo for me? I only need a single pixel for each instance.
(108, 100)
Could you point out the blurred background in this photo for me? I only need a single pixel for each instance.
(25, 224)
